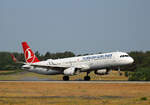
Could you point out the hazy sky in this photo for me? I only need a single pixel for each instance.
(81, 26)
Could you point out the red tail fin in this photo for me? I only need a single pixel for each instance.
(28, 53)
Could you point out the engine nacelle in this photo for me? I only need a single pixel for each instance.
(102, 72)
(71, 71)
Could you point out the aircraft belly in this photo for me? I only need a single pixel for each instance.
(46, 71)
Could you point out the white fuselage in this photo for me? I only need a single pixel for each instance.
(85, 63)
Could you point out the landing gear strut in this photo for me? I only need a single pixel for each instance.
(66, 78)
(87, 78)
(120, 74)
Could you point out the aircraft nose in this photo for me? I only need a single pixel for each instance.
(131, 60)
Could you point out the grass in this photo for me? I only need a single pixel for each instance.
(24, 75)
(34, 93)
(7, 72)
(40, 93)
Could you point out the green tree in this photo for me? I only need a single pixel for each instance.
(141, 74)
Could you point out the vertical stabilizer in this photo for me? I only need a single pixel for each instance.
(28, 53)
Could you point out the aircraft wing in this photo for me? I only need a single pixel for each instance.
(53, 67)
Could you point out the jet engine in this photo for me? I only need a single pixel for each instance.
(102, 72)
(71, 71)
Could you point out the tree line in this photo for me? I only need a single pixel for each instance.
(142, 63)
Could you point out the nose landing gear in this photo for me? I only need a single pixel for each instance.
(120, 74)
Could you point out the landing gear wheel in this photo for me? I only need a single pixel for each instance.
(120, 74)
(87, 78)
(66, 78)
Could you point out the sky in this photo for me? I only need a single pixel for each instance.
(80, 26)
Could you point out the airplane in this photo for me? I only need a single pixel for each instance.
(99, 63)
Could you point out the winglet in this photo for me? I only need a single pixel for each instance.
(16, 60)
(13, 58)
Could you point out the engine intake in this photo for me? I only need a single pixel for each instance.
(102, 72)
(71, 71)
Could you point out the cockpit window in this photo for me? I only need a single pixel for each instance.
(124, 56)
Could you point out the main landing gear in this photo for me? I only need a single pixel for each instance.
(87, 78)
